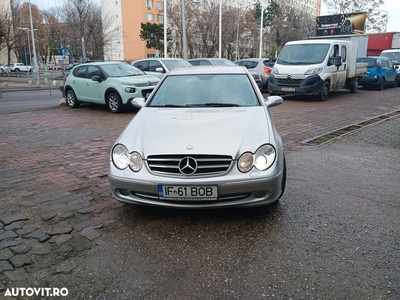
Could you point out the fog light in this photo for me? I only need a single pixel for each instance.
(124, 192)
(259, 194)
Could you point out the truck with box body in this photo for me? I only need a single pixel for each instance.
(317, 67)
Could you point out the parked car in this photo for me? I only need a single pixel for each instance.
(381, 72)
(71, 66)
(20, 67)
(160, 66)
(394, 56)
(204, 139)
(4, 67)
(54, 67)
(112, 83)
(262, 66)
(222, 62)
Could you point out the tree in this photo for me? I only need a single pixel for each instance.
(153, 33)
(376, 19)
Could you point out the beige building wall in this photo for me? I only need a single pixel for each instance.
(5, 6)
(126, 16)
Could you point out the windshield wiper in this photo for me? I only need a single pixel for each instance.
(221, 104)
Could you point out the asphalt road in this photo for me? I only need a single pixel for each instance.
(18, 101)
(334, 234)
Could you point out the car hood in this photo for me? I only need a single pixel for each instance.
(227, 131)
(137, 79)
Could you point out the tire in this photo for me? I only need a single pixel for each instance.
(324, 93)
(16, 70)
(71, 99)
(381, 86)
(114, 102)
(394, 85)
(354, 87)
(283, 184)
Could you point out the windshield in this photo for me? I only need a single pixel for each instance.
(121, 70)
(222, 62)
(372, 62)
(303, 54)
(213, 90)
(178, 63)
(393, 56)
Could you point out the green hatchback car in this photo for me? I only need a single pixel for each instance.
(112, 83)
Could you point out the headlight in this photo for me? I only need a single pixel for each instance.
(275, 71)
(313, 71)
(122, 158)
(264, 157)
(130, 90)
(136, 162)
(245, 162)
(261, 160)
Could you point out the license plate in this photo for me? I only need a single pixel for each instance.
(288, 89)
(187, 192)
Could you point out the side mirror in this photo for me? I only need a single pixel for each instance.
(96, 78)
(138, 102)
(337, 61)
(273, 101)
(160, 70)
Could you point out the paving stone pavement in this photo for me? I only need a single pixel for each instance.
(55, 197)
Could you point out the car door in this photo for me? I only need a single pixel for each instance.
(78, 83)
(390, 71)
(94, 90)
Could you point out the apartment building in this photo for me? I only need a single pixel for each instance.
(5, 9)
(127, 15)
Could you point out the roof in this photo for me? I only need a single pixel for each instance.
(209, 70)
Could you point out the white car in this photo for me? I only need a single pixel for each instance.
(203, 139)
(160, 66)
(20, 67)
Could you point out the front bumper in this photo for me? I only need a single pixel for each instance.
(280, 85)
(235, 189)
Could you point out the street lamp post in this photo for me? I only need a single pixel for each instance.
(165, 30)
(261, 29)
(184, 39)
(220, 29)
(34, 47)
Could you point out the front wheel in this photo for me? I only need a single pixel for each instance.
(114, 102)
(381, 86)
(395, 82)
(324, 93)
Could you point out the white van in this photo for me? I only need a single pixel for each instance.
(393, 55)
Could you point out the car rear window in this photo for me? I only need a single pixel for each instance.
(369, 60)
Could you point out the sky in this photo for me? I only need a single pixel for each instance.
(390, 6)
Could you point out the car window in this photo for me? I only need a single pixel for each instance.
(154, 64)
(249, 64)
(178, 63)
(205, 63)
(222, 62)
(195, 62)
(393, 56)
(80, 72)
(385, 63)
(369, 60)
(202, 90)
(121, 70)
(142, 65)
(93, 71)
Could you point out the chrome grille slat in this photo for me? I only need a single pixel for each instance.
(206, 164)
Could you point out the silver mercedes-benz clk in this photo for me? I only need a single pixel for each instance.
(203, 139)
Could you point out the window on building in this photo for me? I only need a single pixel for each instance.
(149, 3)
(149, 17)
(160, 19)
(160, 6)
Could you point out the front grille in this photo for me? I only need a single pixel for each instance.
(146, 83)
(146, 93)
(289, 81)
(206, 164)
